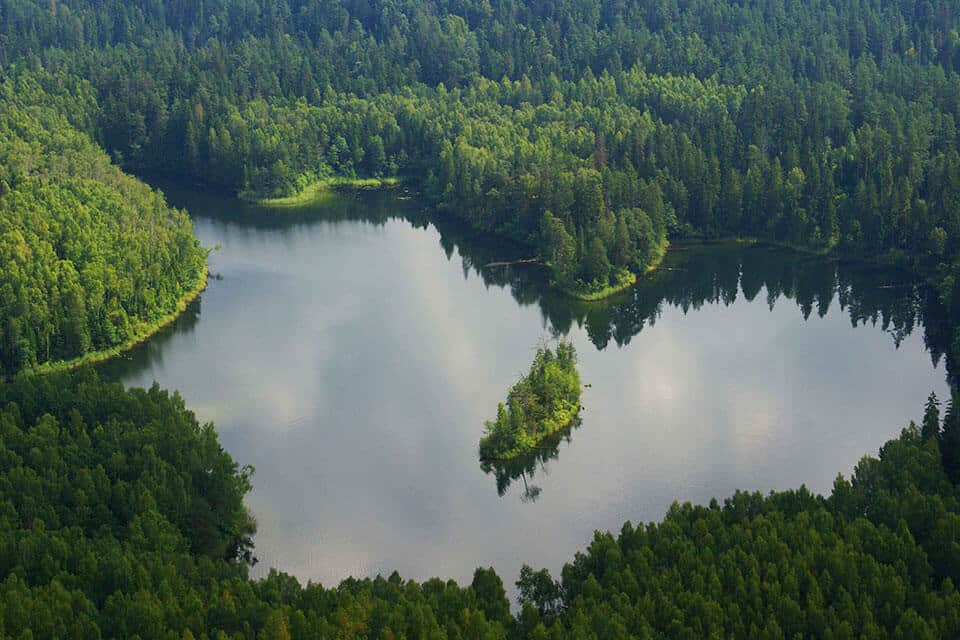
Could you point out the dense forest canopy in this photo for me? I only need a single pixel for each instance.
(589, 129)
(122, 516)
(90, 256)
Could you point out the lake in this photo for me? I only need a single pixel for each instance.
(351, 351)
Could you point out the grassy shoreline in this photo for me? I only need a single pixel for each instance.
(753, 240)
(623, 284)
(317, 190)
(631, 281)
(144, 334)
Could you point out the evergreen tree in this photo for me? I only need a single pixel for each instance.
(931, 418)
(950, 441)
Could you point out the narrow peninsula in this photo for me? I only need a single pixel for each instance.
(541, 403)
(93, 260)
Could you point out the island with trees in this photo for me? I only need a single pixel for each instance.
(541, 403)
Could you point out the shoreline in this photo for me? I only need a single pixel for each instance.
(513, 454)
(627, 284)
(822, 252)
(316, 191)
(148, 332)
(613, 290)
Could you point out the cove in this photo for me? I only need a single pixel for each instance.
(351, 351)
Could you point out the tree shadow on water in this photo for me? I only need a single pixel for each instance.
(526, 467)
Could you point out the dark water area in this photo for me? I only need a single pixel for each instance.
(351, 351)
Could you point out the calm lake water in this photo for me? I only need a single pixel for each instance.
(351, 353)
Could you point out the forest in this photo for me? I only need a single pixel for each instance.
(91, 258)
(542, 402)
(122, 516)
(590, 132)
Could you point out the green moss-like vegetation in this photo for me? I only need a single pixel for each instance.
(542, 402)
(619, 282)
(822, 250)
(319, 190)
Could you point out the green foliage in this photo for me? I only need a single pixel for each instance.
(949, 440)
(879, 556)
(828, 126)
(587, 130)
(121, 516)
(931, 418)
(91, 258)
(537, 588)
(541, 403)
(527, 465)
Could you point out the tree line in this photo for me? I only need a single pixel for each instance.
(122, 516)
(590, 130)
(90, 258)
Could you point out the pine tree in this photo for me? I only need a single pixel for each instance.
(950, 442)
(931, 418)
(596, 265)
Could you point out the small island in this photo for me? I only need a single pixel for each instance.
(541, 403)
